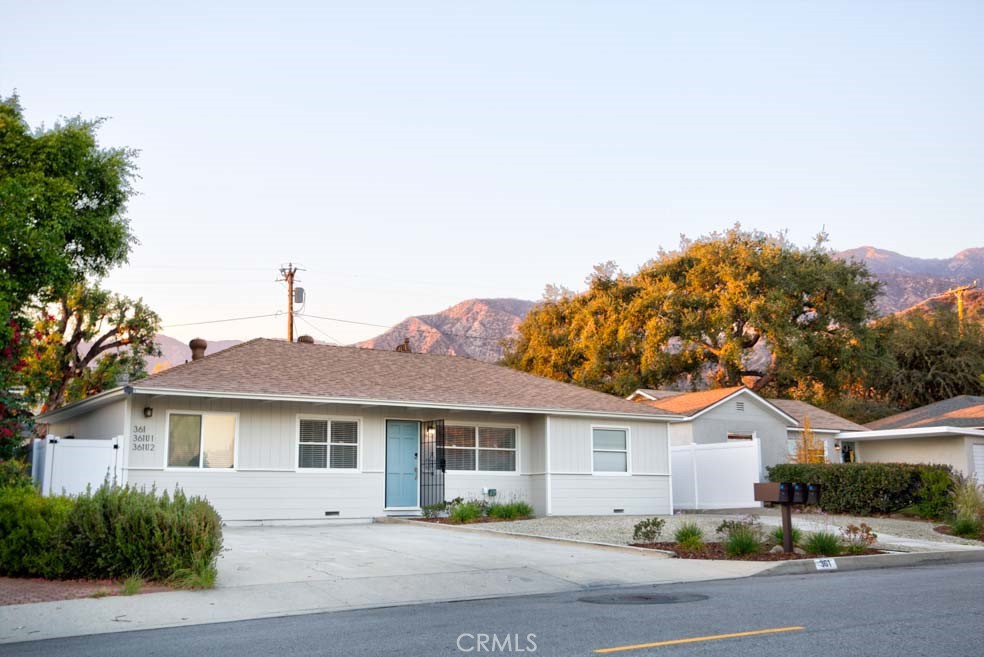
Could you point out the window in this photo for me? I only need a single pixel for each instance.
(326, 444)
(610, 449)
(740, 436)
(483, 449)
(201, 440)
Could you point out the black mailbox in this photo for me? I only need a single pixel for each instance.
(799, 493)
(813, 494)
(785, 492)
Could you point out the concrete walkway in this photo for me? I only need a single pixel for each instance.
(279, 571)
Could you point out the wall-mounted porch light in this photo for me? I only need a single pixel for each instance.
(148, 411)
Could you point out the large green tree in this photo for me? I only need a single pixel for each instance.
(927, 357)
(728, 308)
(85, 342)
(62, 218)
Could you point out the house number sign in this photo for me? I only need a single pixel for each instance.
(142, 441)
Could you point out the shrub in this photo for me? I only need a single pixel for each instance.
(648, 530)
(466, 512)
(863, 488)
(32, 533)
(934, 498)
(777, 535)
(742, 541)
(750, 523)
(510, 510)
(826, 544)
(434, 510)
(968, 499)
(14, 473)
(966, 527)
(110, 533)
(132, 585)
(689, 536)
(858, 538)
(114, 532)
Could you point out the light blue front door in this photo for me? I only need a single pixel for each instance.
(402, 439)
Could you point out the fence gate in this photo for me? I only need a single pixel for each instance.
(432, 462)
(66, 465)
(715, 475)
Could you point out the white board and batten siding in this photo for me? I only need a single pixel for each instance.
(266, 484)
(575, 489)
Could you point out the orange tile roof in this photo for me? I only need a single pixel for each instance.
(692, 403)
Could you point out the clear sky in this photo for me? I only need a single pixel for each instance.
(413, 154)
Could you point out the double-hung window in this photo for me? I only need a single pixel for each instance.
(609, 449)
(480, 449)
(327, 444)
(201, 440)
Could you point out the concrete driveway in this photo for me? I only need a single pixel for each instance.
(278, 571)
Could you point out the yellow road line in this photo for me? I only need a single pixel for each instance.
(698, 639)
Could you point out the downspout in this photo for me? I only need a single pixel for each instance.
(546, 469)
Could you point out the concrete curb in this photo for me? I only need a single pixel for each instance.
(613, 547)
(874, 561)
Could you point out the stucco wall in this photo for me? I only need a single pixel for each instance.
(768, 426)
(949, 451)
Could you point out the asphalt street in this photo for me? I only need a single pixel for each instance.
(936, 611)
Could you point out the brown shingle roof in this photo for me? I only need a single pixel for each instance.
(692, 403)
(961, 411)
(819, 418)
(277, 368)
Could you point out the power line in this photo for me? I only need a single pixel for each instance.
(219, 321)
(316, 328)
(444, 333)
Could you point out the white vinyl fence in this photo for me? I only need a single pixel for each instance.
(716, 475)
(69, 465)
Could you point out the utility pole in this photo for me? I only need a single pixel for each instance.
(287, 274)
(958, 292)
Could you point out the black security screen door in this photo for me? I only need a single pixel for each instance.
(432, 463)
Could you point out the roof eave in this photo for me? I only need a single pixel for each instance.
(922, 432)
(181, 392)
(83, 405)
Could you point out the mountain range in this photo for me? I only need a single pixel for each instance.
(909, 281)
(475, 328)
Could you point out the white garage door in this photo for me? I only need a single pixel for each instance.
(978, 458)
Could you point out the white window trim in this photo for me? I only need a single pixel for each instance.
(327, 418)
(200, 468)
(627, 451)
(476, 448)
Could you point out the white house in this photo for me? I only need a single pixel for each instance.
(949, 432)
(277, 431)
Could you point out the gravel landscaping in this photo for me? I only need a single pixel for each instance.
(617, 530)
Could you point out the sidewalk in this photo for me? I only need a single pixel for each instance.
(280, 571)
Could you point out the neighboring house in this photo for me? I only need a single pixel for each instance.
(949, 432)
(276, 431)
(735, 414)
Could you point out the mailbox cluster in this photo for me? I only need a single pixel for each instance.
(786, 494)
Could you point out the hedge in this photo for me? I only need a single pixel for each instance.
(110, 533)
(867, 488)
